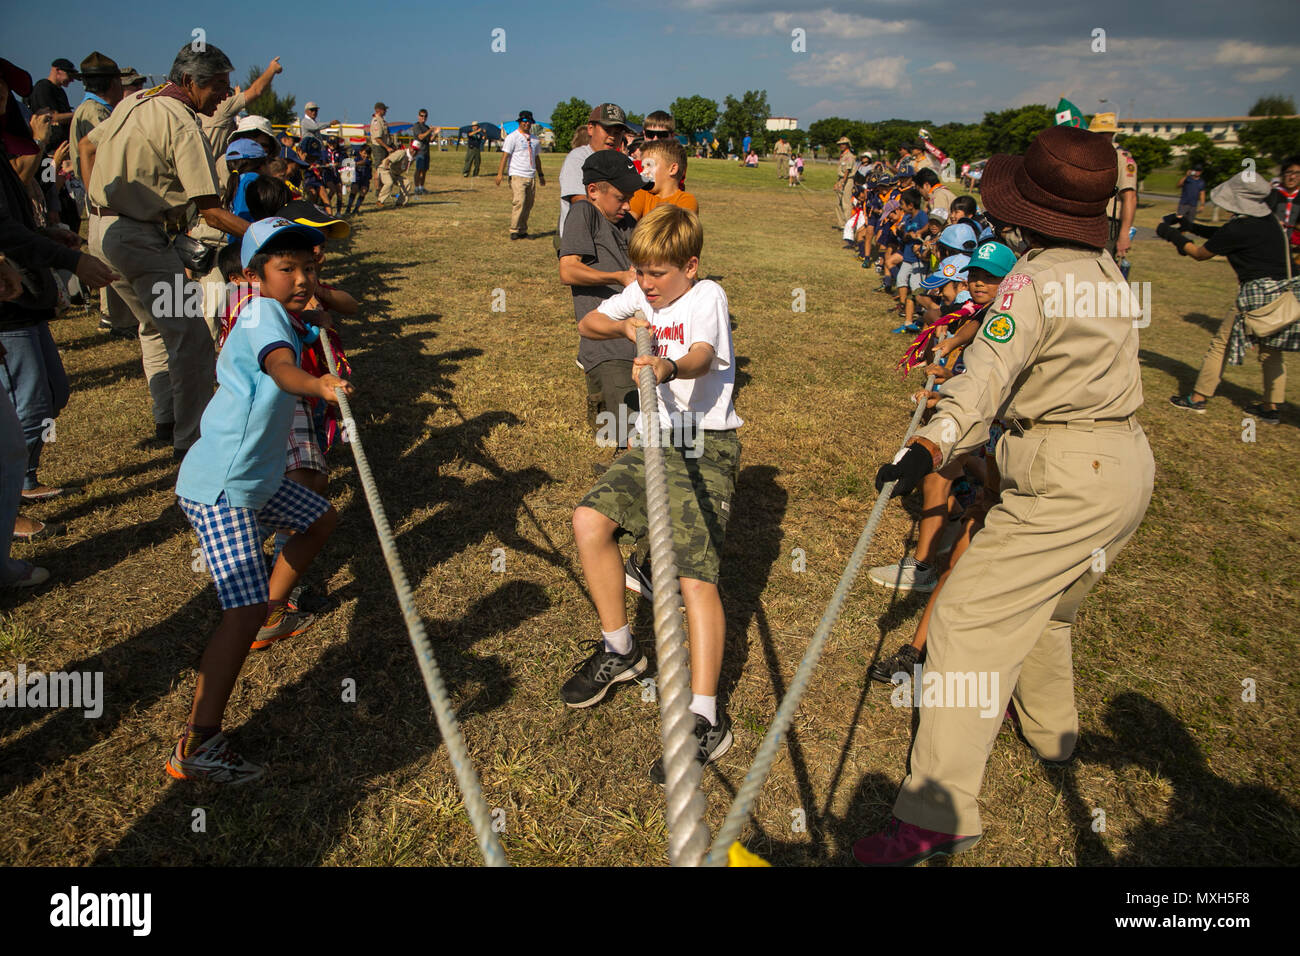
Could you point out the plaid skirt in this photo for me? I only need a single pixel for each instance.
(1253, 295)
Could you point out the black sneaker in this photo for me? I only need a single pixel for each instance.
(1267, 416)
(1187, 402)
(637, 577)
(593, 677)
(903, 659)
(163, 432)
(714, 740)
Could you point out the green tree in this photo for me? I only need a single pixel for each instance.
(1192, 139)
(1274, 138)
(1220, 164)
(567, 117)
(963, 142)
(1011, 131)
(638, 118)
(278, 109)
(743, 117)
(694, 114)
(1275, 104)
(1149, 152)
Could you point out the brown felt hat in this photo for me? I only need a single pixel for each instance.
(1060, 187)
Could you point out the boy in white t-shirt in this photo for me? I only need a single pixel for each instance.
(695, 367)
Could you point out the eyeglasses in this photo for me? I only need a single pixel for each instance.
(657, 134)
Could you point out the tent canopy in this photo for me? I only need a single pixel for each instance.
(491, 130)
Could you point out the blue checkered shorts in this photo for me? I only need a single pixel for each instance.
(231, 538)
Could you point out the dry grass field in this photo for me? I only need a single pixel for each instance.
(475, 423)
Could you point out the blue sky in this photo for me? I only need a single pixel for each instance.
(868, 59)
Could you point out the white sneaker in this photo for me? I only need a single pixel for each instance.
(215, 760)
(907, 575)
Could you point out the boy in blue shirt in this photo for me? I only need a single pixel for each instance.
(232, 484)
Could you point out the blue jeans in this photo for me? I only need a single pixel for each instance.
(13, 462)
(32, 374)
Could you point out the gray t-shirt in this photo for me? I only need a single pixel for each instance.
(602, 245)
(571, 181)
(418, 129)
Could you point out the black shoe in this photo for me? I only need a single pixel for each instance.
(163, 432)
(514, 236)
(1267, 416)
(714, 740)
(104, 324)
(304, 598)
(593, 677)
(903, 660)
(522, 235)
(178, 454)
(637, 577)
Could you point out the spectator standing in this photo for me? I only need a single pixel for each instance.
(1283, 202)
(103, 82)
(312, 126)
(782, 152)
(1193, 193)
(151, 162)
(606, 127)
(420, 133)
(521, 151)
(51, 94)
(473, 151)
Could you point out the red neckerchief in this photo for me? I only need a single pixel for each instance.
(170, 89)
(919, 352)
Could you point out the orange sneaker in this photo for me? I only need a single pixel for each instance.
(281, 623)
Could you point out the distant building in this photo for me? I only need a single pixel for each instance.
(781, 123)
(1221, 129)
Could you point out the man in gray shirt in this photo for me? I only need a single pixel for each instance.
(607, 126)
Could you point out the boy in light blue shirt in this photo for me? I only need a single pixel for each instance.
(232, 485)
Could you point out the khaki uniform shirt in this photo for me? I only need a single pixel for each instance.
(84, 118)
(151, 159)
(1037, 356)
(379, 131)
(942, 197)
(1127, 178)
(847, 163)
(782, 148)
(397, 161)
(219, 128)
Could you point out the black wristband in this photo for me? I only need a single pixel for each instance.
(671, 375)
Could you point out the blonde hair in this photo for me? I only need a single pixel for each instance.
(670, 150)
(668, 235)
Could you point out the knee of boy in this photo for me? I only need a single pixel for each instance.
(326, 523)
(589, 524)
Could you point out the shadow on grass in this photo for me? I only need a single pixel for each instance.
(1185, 376)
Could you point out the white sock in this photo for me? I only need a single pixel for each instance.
(706, 707)
(620, 641)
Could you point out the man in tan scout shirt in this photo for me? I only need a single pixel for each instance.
(381, 141)
(1123, 208)
(844, 183)
(103, 82)
(150, 161)
(392, 172)
(1076, 477)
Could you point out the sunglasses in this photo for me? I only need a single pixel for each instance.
(657, 134)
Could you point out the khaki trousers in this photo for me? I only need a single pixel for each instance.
(110, 302)
(522, 191)
(845, 207)
(390, 183)
(1071, 498)
(782, 166)
(214, 283)
(1272, 364)
(179, 361)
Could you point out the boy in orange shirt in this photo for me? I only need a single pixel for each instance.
(664, 162)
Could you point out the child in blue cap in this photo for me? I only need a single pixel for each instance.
(232, 484)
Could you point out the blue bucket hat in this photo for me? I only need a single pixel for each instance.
(952, 269)
(264, 230)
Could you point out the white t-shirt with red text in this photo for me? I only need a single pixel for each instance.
(700, 315)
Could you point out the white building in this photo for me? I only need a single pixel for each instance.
(781, 123)
(1222, 129)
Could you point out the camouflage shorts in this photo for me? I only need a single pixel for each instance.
(699, 499)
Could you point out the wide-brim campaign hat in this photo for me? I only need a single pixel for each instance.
(1060, 187)
(1242, 196)
(99, 65)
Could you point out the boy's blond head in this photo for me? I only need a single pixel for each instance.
(668, 235)
(667, 152)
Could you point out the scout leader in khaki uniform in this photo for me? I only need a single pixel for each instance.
(1123, 207)
(392, 174)
(103, 81)
(381, 141)
(844, 184)
(782, 152)
(1076, 480)
(150, 162)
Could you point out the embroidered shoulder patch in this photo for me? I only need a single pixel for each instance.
(152, 92)
(1000, 328)
(1013, 283)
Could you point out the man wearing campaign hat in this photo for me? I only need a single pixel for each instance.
(103, 82)
(1123, 207)
(522, 151)
(844, 181)
(132, 81)
(606, 129)
(1076, 478)
(380, 141)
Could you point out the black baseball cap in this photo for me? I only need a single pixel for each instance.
(63, 63)
(526, 115)
(611, 166)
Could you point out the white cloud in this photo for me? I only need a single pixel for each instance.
(1265, 74)
(837, 26)
(943, 66)
(1241, 53)
(853, 69)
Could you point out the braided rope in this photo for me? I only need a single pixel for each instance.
(475, 803)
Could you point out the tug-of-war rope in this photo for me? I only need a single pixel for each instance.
(688, 835)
